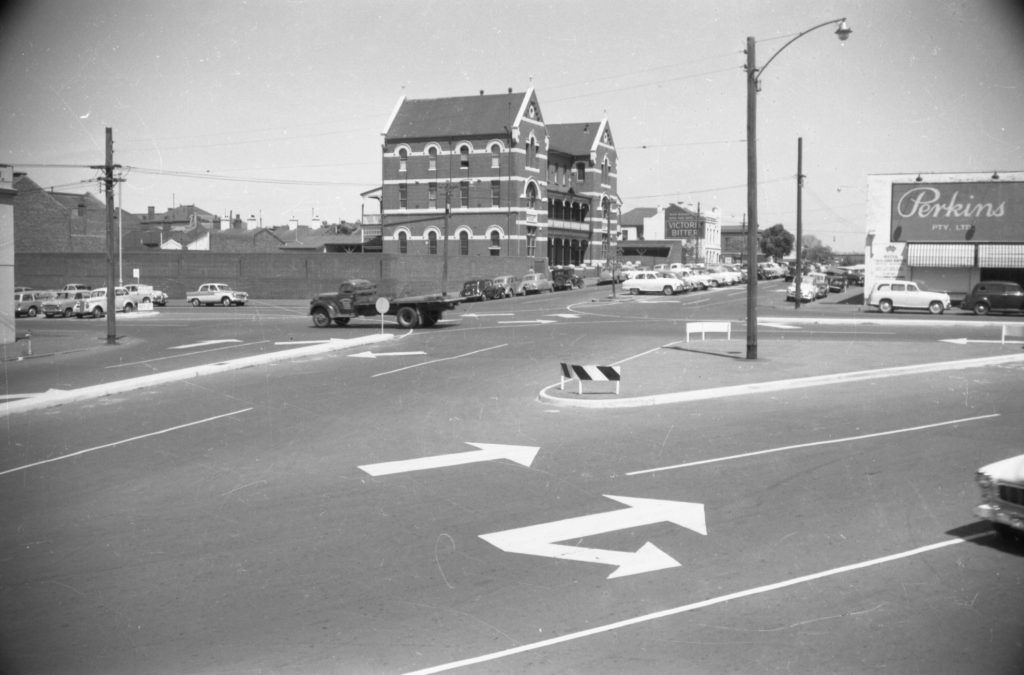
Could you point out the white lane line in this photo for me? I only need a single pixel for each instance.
(448, 358)
(178, 356)
(653, 616)
(123, 441)
(812, 444)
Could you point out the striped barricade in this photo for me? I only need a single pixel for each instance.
(703, 327)
(591, 374)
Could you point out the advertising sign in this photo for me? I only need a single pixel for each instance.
(958, 212)
(683, 225)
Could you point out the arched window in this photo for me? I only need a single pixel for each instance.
(432, 242)
(403, 242)
(463, 243)
(403, 160)
(495, 156)
(464, 157)
(495, 242)
(432, 157)
(531, 196)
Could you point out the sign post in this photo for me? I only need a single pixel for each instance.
(382, 306)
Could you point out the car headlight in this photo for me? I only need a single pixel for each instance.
(984, 480)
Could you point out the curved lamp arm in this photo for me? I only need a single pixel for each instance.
(842, 32)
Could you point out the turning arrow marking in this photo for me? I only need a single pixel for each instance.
(540, 539)
(373, 355)
(520, 454)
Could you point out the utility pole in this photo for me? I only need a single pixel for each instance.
(798, 272)
(112, 250)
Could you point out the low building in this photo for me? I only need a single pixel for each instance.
(674, 233)
(949, 230)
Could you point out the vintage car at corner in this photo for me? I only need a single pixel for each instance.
(95, 304)
(479, 290)
(358, 297)
(145, 293)
(565, 279)
(894, 294)
(534, 282)
(63, 304)
(994, 296)
(808, 291)
(653, 282)
(505, 286)
(1002, 496)
(216, 294)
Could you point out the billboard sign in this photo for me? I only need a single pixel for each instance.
(681, 224)
(958, 212)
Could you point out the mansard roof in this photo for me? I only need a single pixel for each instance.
(456, 117)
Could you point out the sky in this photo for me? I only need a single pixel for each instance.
(276, 108)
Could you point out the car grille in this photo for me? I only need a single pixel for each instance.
(1012, 494)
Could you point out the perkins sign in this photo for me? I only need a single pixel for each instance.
(958, 212)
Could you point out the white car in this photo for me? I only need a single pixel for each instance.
(1002, 496)
(900, 294)
(653, 282)
(808, 291)
(95, 304)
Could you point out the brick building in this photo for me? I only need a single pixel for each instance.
(57, 222)
(490, 172)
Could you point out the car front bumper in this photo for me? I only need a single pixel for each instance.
(997, 514)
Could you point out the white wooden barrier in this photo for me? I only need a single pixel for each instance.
(704, 327)
(1012, 330)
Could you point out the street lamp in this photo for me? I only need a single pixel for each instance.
(753, 85)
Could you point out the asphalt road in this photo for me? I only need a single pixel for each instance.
(321, 515)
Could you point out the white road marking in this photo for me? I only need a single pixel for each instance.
(123, 441)
(205, 343)
(520, 454)
(673, 611)
(783, 326)
(178, 356)
(831, 441)
(540, 539)
(373, 355)
(963, 341)
(449, 358)
(540, 321)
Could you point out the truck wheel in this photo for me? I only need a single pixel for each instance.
(226, 302)
(195, 302)
(981, 308)
(408, 317)
(321, 319)
(341, 321)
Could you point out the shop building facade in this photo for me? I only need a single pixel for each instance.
(674, 233)
(491, 177)
(948, 230)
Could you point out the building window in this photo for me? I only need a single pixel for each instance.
(581, 171)
(495, 243)
(432, 242)
(604, 170)
(531, 241)
(463, 243)
(464, 158)
(495, 193)
(432, 195)
(403, 196)
(432, 157)
(464, 194)
(403, 242)
(531, 151)
(531, 196)
(495, 156)
(403, 160)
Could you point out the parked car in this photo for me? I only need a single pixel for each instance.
(146, 293)
(808, 291)
(63, 303)
(76, 287)
(565, 279)
(837, 281)
(820, 281)
(994, 296)
(478, 290)
(534, 282)
(898, 294)
(216, 294)
(30, 303)
(95, 304)
(506, 286)
(653, 282)
(854, 274)
(1002, 496)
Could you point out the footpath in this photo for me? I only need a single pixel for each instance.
(715, 366)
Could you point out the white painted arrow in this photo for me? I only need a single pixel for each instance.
(204, 343)
(963, 341)
(566, 316)
(540, 539)
(520, 454)
(531, 321)
(373, 355)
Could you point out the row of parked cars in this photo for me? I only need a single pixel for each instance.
(82, 300)
(562, 279)
(673, 278)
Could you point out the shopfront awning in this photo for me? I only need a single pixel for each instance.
(940, 255)
(1001, 255)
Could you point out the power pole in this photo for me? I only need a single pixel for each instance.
(108, 180)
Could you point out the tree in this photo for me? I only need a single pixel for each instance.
(816, 252)
(776, 242)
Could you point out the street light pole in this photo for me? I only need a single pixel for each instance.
(753, 83)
